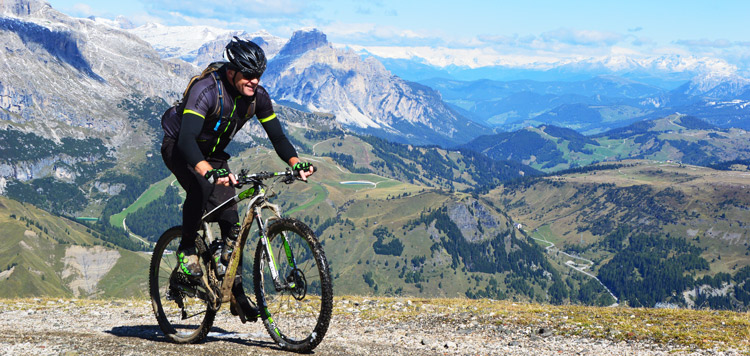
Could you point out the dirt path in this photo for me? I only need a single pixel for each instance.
(84, 327)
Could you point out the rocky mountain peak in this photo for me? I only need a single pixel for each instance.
(717, 84)
(65, 77)
(22, 8)
(361, 93)
(124, 23)
(303, 41)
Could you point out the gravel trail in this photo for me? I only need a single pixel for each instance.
(85, 327)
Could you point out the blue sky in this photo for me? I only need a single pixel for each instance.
(529, 28)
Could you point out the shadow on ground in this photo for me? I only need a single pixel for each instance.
(154, 333)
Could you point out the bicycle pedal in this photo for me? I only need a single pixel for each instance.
(245, 310)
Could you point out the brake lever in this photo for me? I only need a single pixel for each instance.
(290, 177)
(240, 178)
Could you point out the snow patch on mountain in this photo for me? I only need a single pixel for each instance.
(189, 42)
(718, 84)
(485, 57)
(179, 41)
(120, 22)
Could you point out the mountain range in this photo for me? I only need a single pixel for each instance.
(591, 95)
(596, 105)
(419, 180)
(668, 71)
(678, 138)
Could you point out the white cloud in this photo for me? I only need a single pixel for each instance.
(238, 23)
(229, 9)
(470, 57)
(374, 34)
(582, 37)
(84, 10)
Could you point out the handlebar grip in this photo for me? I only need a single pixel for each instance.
(315, 169)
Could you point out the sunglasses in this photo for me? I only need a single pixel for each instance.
(251, 75)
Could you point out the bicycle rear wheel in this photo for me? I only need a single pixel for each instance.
(296, 315)
(180, 307)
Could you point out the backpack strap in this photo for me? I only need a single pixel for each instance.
(250, 109)
(220, 98)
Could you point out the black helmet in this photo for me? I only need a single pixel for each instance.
(246, 57)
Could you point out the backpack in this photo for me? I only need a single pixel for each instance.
(210, 70)
(169, 121)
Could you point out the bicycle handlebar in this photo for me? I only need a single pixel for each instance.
(289, 176)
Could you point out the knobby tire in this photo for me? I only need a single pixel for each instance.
(160, 270)
(297, 321)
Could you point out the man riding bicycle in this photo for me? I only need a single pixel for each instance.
(198, 129)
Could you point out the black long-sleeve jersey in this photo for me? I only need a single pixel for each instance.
(204, 130)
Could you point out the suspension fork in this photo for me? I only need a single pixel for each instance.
(278, 282)
(234, 262)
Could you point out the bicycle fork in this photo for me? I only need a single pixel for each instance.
(278, 282)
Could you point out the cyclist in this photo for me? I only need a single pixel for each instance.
(195, 137)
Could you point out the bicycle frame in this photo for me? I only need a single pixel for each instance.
(258, 202)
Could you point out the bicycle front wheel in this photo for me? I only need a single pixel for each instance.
(180, 307)
(295, 308)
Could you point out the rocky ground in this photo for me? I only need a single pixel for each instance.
(359, 327)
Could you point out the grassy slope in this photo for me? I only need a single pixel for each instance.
(388, 203)
(152, 193)
(38, 255)
(554, 210)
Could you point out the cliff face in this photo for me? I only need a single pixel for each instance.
(22, 7)
(65, 77)
(361, 93)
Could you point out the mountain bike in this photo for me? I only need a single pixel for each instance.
(291, 277)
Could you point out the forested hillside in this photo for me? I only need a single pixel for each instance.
(656, 233)
(388, 237)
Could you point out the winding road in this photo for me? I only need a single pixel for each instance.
(577, 266)
(124, 226)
